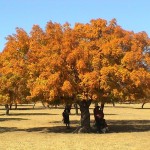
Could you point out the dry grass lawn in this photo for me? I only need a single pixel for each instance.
(42, 129)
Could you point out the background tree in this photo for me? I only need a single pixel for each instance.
(13, 69)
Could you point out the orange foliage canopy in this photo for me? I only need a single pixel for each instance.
(98, 60)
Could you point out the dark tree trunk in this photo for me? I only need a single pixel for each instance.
(10, 106)
(143, 105)
(33, 105)
(15, 106)
(7, 109)
(85, 118)
(102, 106)
(43, 104)
(96, 104)
(113, 104)
(76, 108)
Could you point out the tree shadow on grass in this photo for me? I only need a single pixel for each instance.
(142, 108)
(79, 114)
(105, 114)
(123, 106)
(39, 108)
(9, 129)
(13, 119)
(25, 108)
(61, 122)
(55, 129)
(115, 126)
(32, 114)
(129, 125)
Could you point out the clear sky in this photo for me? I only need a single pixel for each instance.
(133, 15)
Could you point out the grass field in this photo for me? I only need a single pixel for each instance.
(42, 129)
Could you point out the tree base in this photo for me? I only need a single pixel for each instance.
(83, 130)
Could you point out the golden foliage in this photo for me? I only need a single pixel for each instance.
(98, 60)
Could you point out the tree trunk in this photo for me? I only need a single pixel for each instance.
(96, 104)
(33, 105)
(7, 109)
(43, 104)
(143, 105)
(102, 106)
(10, 106)
(85, 118)
(113, 104)
(15, 106)
(76, 108)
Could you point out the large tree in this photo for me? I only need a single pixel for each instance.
(94, 62)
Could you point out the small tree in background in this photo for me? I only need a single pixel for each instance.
(13, 69)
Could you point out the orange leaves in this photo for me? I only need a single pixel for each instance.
(107, 77)
(100, 23)
(38, 88)
(4, 99)
(67, 88)
(37, 38)
(54, 79)
(52, 94)
(112, 48)
(90, 81)
(140, 77)
(116, 81)
(81, 66)
(71, 58)
(132, 60)
(19, 42)
(96, 60)
(96, 63)
(147, 60)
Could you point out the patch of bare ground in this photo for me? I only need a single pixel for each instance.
(42, 129)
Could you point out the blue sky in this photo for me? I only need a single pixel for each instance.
(132, 15)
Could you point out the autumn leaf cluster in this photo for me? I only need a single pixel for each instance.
(98, 60)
